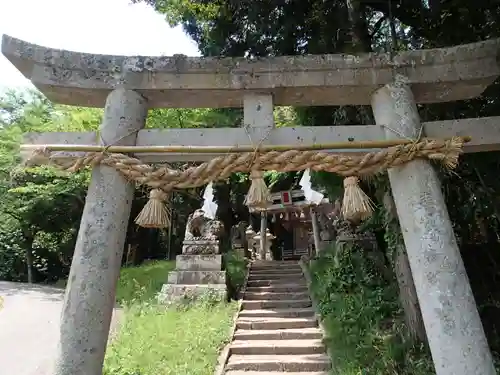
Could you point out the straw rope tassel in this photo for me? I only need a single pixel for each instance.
(356, 206)
(155, 213)
(258, 196)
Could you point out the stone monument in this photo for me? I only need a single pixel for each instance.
(239, 239)
(199, 268)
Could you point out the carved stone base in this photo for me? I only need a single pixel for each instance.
(194, 275)
(200, 247)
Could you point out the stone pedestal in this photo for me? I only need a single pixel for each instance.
(204, 246)
(194, 275)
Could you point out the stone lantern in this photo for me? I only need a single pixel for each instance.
(250, 234)
(264, 254)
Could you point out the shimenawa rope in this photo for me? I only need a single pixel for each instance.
(220, 168)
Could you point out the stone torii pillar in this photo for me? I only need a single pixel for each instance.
(90, 293)
(315, 228)
(263, 231)
(454, 329)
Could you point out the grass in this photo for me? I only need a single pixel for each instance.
(153, 339)
(142, 283)
(173, 341)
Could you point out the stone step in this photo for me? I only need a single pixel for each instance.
(278, 288)
(279, 334)
(278, 313)
(276, 373)
(252, 296)
(276, 323)
(277, 347)
(274, 263)
(277, 276)
(278, 304)
(284, 363)
(275, 270)
(275, 282)
(278, 266)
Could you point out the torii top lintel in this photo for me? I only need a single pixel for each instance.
(436, 75)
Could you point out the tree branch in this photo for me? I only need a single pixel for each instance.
(377, 26)
(412, 13)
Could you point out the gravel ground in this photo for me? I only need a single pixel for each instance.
(29, 326)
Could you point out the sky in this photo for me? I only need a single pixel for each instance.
(113, 27)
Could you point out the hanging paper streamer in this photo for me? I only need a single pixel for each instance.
(311, 195)
(209, 206)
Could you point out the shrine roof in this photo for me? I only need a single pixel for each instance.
(436, 75)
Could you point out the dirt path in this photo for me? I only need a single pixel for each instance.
(29, 327)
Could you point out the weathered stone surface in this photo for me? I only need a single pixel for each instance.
(202, 234)
(198, 262)
(201, 228)
(455, 333)
(173, 292)
(194, 275)
(197, 277)
(436, 75)
(90, 292)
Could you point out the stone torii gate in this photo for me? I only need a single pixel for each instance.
(128, 86)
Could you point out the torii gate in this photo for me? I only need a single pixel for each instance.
(128, 86)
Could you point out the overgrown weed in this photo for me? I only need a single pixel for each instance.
(362, 316)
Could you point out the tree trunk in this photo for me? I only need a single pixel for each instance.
(28, 250)
(407, 292)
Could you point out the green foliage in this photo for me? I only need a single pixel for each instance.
(12, 264)
(362, 316)
(42, 206)
(192, 118)
(235, 265)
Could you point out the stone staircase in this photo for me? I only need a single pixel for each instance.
(276, 330)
